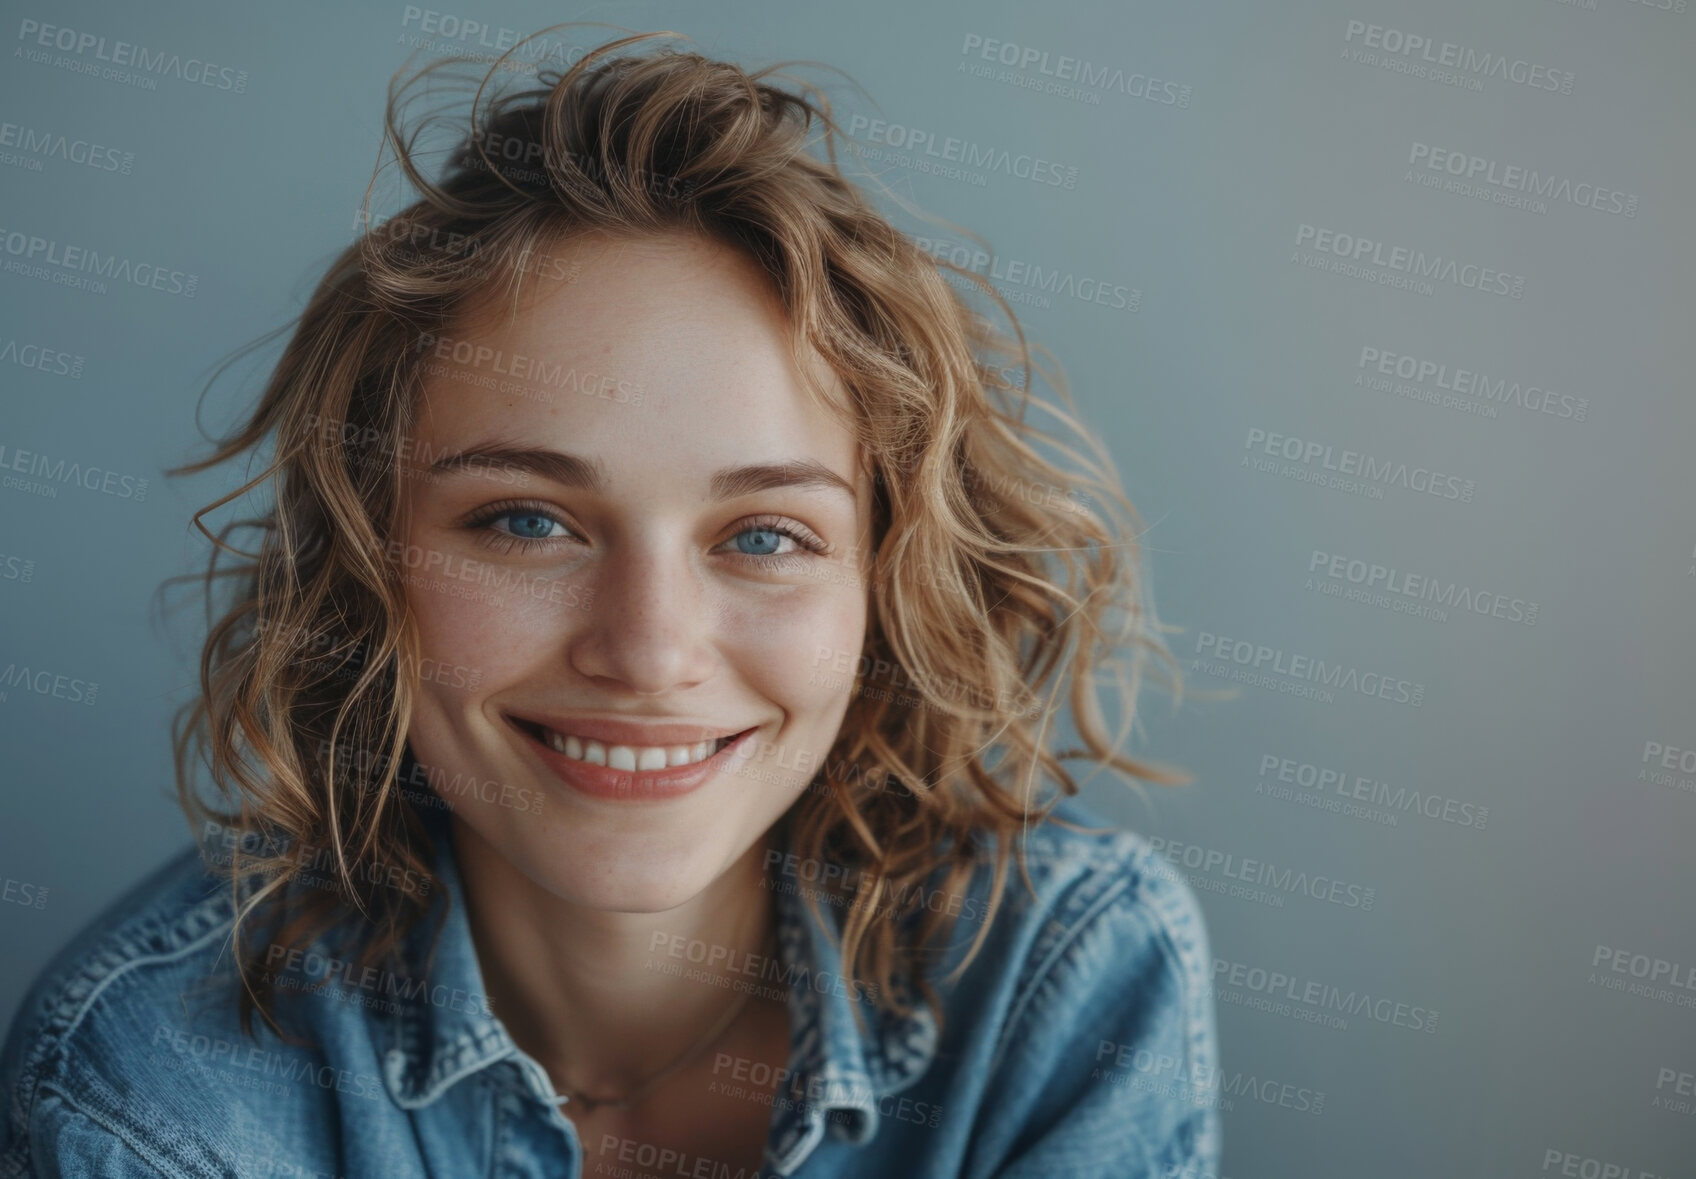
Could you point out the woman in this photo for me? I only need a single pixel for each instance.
(641, 691)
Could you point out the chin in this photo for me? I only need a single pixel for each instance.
(615, 894)
(648, 867)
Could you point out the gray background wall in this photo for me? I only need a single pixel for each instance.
(1544, 733)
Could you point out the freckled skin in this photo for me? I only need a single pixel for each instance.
(671, 627)
(640, 602)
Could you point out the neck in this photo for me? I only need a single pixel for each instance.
(590, 993)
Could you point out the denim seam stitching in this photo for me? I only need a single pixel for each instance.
(1017, 1013)
(49, 1057)
(1095, 914)
(141, 1150)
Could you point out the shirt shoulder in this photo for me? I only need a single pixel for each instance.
(1105, 1043)
(82, 1059)
(1109, 905)
(1100, 879)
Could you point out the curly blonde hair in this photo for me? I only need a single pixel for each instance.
(999, 578)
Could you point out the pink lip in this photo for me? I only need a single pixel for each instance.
(636, 785)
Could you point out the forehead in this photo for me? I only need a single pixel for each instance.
(672, 342)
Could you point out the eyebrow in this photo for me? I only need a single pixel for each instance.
(570, 470)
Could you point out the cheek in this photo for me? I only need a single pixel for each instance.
(791, 649)
(473, 639)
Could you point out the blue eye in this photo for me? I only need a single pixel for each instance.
(774, 541)
(528, 525)
(523, 527)
(763, 542)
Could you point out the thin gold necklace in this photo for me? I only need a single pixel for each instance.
(590, 1104)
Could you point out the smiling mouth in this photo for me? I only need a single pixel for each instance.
(628, 758)
(613, 773)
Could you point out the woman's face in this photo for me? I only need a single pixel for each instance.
(625, 511)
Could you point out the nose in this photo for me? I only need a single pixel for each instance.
(647, 632)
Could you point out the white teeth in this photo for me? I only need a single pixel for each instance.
(635, 759)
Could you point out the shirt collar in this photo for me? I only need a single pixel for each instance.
(837, 1073)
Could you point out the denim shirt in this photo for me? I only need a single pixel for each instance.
(1079, 1042)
